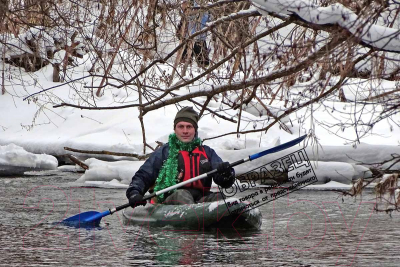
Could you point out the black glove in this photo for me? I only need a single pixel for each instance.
(225, 176)
(136, 200)
(224, 167)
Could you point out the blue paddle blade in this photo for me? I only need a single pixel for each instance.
(86, 219)
(278, 148)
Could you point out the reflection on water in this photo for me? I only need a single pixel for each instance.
(309, 228)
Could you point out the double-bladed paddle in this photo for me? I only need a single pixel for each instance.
(93, 218)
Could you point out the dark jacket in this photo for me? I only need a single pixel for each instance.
(147, 174)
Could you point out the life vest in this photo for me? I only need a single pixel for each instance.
(193, 164)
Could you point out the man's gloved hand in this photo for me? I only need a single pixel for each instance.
(224, 167)
(136, 200)
(225, 177)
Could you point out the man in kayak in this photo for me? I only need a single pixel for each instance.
(182, 158)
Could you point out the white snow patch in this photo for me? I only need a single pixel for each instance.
(16, 156)
(121, 171)
(329, 185)
(70, 168)
(375, 35)
(102, 184)
(332, 171)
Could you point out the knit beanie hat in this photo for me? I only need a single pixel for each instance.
(187, 114)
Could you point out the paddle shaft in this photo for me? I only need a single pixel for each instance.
(202, 176)
(165, 190)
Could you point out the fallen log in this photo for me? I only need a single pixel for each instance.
(78, 162)
(104, 152)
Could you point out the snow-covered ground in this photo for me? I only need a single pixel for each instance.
(120, 131)
(42, 129)
(15, 160)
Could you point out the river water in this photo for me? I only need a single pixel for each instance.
(307, 228)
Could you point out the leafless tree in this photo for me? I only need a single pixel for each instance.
(281, 67)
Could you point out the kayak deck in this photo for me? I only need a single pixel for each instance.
(193, 216)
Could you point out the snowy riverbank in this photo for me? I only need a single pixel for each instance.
(119, 131)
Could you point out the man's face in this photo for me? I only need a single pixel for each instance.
(184, 131)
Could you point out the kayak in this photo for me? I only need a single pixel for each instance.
(193, 216)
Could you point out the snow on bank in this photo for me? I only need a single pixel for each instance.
(333, 163)
(13, 155)
(102, 184)
(121, 171)
(119, 174)
(333, 171)
(329, 185)
(15, 160)
(119, 130)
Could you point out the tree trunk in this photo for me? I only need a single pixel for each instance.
(56, 73)
(3, 11)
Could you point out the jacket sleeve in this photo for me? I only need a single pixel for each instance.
(147, 174)
(215, 161)
(213, 158)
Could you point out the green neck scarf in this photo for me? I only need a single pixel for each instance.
(169, 171)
